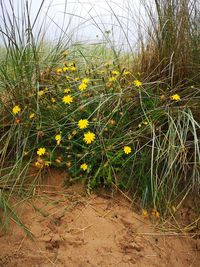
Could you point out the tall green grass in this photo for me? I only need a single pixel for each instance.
(172, 48)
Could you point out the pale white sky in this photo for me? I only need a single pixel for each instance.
(88, 19)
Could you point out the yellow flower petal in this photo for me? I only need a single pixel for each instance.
(127, 150)
(82, 124)
(41, 151)
(89, 137)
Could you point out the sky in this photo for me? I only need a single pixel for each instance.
(87, 21)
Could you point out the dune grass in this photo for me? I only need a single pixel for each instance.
(141, 119)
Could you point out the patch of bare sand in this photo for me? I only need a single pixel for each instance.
(75, 230)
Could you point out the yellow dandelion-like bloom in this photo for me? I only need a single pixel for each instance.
(85, 80)
(67, 77)
(84, 166)
(40, 93)
(175, 97)
(112, 79)
(58, 138)
(115, 72)
(47, 163)
(59, 71)
(38, 165)
(71, 64)
(65, 69)
(76, 79)
(31, 116)
(137, 83)
(82, 86)
(67, 99)
(16, 109)
(67, 90)
(89, 137)
(82, 124)
(145, 213)
(41, 151)
(127, 150)
(155, 213)
(126, 73)
(72, 68)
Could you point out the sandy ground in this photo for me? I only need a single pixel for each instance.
(73, 229)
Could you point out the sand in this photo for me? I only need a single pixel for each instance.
(73, 229)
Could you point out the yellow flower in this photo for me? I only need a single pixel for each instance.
(67, 77)
(32, 115)
(126, 73)
(89, 137)
(72, 68)
(16, 109)
(112, 79)
(137, 83)
(40, 93)
(145, 213)
(58, 138)
(67, 90)
(41, 151)
(155, 213)
(85, 80)
(145, 122)
(76, 78)
(175, 97)
(71, 64)
(47, 163)
(38, 165)
(84, 166)
(59, 71)
(82, 86)
(65, 69)
(115, 72)
(127, 149)
(53, 100)
(82, 124)
(67, 99)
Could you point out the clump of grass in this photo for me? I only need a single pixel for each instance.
(172, 48)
